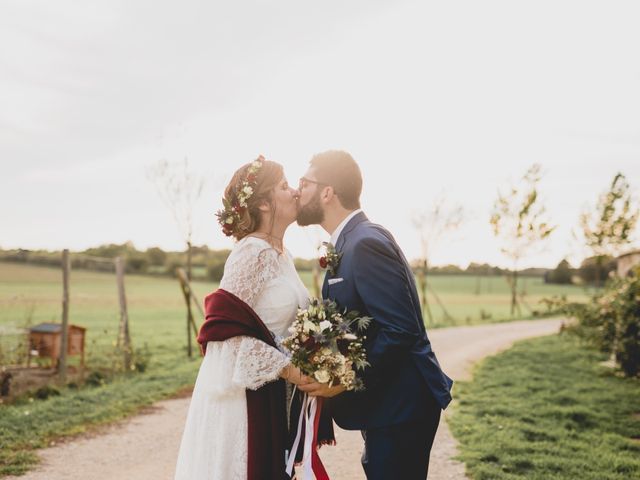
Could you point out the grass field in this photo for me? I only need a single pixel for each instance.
(547, 410)
(156, 312)
(31, 294)
(156, 308)
(485, 299)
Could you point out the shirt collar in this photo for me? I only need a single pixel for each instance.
(336, 233)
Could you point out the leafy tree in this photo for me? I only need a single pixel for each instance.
(156, 256)
(592, 268)
(137, 263)
(561, 274)
(519, 222)
(608, 227)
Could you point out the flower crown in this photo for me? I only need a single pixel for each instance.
(230, 216)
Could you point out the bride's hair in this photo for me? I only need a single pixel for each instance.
(267, 178)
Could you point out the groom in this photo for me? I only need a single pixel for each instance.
(405, 389)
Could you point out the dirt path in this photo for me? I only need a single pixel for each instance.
(145, 447)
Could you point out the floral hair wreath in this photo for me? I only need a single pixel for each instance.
(230, 216)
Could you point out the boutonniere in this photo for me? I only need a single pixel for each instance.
(331, 259)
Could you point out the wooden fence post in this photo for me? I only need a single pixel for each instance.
(188, 297)
(62, 360)
(124, 339)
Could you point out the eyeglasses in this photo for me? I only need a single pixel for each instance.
(304, 181)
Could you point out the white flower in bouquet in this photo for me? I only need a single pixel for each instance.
(322, 376)
(341, 369)
(308, 326)
(324, 324)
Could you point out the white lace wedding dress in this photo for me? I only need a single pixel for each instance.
(214, 442)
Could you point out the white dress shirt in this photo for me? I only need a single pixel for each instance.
(338, 230)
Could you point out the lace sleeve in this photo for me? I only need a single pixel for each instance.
(256, 362)
(248, 270)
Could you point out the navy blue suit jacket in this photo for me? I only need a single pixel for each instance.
(405, 377)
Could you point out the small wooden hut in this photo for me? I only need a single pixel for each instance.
(46, 340)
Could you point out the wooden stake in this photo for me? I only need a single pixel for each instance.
(124, 339)
(62, 360)
(189, 296)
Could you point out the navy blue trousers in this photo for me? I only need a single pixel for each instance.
(400, 451)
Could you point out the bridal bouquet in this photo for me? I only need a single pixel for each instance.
(326, 343)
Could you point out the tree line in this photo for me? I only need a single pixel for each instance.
(208, 264)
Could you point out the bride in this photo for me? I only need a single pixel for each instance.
(236, 427)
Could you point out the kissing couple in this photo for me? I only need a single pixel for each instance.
(240, 423)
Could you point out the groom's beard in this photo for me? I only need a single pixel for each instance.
(311, 213)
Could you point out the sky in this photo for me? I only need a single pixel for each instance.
(433, 99)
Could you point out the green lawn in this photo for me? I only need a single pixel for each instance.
(546, 409)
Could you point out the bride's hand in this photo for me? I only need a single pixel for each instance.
(294, 375)
(322, 390)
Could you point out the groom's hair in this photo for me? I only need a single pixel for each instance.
(339, 170)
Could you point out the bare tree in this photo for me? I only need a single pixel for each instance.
(519, 221)
(179, 189)
(432, 225)
(608, 228)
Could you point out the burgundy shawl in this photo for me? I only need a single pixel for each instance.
(227, 316)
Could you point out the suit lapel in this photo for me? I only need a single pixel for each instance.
(351, 224)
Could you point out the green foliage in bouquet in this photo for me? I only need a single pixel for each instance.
(611, 321)
(327, 343)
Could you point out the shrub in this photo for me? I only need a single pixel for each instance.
(137, 263)
(96, 379)
(141, 359)
(45, 392)
(610, 320)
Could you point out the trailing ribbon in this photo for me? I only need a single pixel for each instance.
(309, 418)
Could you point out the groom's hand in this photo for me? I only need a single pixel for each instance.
(294, 375)
(316, 389)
